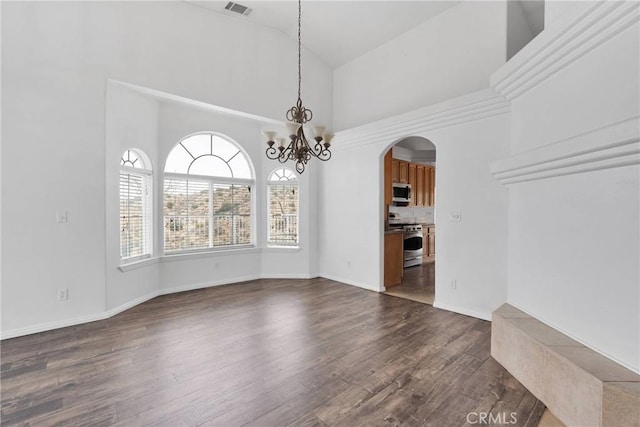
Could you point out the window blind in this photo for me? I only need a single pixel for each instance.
(135, 216)
(202, 214)
(283, 215)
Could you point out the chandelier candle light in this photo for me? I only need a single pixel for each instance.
(298, 148)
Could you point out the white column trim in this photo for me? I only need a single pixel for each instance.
(561, 45)
(610, 146)
(476, 106)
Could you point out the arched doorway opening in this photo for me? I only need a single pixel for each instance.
(409, 166)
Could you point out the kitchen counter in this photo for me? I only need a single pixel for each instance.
(394, 231)
(399, 228)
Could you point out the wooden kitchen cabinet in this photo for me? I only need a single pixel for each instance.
(393, 267)
(423, 185)
(412, 183)
(425, 243)
(421, 177)
(388, 180)
(431, 187)
(428, 243)
(420, 185)
(403, 172)
(395, 169)
(432, 241)
(427, 186)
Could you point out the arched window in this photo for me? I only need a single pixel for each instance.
(207, 194)
(136, 212)
(282, 199)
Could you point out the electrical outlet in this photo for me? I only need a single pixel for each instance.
(455, 216)
(63, 294)
(62, 217)
(454, 284)
(349, 263)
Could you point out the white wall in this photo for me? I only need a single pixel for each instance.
(556, 10)
(473, 251)
(131, 123)
(519, 32)
(57, 58)
(350, 216)
(597, 89)
(450, 55)
(574, 260)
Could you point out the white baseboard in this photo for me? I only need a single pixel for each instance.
(289, 276)
(43, 327)
(463, 310)
(209, 284)
(351, 282)
(119, 309)
(129, 304)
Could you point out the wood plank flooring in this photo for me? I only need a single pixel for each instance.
(262, 353)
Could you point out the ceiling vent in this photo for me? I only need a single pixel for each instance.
(238, 8)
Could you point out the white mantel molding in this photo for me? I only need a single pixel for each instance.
(475, 106)
(611, 146)
(559, 46)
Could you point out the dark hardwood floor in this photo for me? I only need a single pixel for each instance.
(264, 353)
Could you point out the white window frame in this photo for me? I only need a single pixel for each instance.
(146, 175)
(212, 181)
(288, 182)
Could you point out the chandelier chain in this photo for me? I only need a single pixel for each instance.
(299, 46)
(298, 149)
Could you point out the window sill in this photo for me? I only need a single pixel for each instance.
(180, 256)
(134, 265)
(183, 256)
(282, 248)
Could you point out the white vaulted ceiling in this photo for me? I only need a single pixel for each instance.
(337, 31)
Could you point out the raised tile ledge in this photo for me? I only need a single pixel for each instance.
(578, 385)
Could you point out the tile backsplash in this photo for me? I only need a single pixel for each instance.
(423, 214)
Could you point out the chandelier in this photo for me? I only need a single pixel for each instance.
(298, 148)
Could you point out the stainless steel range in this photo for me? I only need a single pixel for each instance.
(412, 245)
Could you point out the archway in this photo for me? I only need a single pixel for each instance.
(408, 166)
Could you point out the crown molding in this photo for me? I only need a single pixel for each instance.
(561, 45)
(610, 146)
(476, 106)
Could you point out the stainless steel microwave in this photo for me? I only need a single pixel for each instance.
(401, 193)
